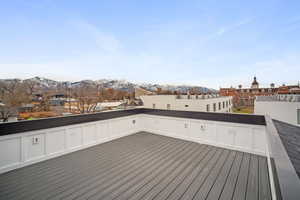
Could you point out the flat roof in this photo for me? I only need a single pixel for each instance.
(142, 166)
(31, 125)
(290, 137)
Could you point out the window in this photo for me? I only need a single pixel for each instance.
(207, 107)
(153, 106)
(168, 106)
(219, 105)
(214, 106)
(186, 106)
(226, 104)
(223, 104)
(298, 116)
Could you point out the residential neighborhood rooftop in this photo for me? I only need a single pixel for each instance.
(282, 98)
(150, 154)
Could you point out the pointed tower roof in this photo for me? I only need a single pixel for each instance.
(254, 83)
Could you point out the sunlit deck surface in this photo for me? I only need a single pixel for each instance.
(142, 166)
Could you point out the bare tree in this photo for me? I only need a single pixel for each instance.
(86, 96)
(12, 94)
(45, 102)
(6, 112)
(31, 86)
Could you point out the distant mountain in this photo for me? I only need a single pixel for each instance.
(115, 84)
(181, 88)
(44, 82)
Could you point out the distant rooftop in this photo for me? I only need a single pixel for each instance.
(283, 98)
(290, 136)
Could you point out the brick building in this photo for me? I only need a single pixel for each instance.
(246, 96)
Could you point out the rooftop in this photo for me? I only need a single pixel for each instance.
(290, 137)
(150, 154)
(143, 166)
(281, 98)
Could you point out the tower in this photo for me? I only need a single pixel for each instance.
(255, 84)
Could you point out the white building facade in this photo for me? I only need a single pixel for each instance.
(284, 108)
(200, 103)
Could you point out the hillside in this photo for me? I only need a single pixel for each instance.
(112, 83)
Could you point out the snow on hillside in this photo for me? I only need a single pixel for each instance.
(115, 84)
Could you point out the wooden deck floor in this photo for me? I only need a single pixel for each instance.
(142, 166)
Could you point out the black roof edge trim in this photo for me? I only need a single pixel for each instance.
(33, 125)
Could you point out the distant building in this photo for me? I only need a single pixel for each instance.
(109, 105)
(60, 101)
(202, 103)
(289, 89)
(246, 96)
(284, 108)
(140, 92)
(26, 108)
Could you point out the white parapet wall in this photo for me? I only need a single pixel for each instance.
(242, 137)
(171, 102)
(21, 149)
(280, 110)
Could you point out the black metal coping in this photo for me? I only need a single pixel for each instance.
(224, 117)
(23, 126)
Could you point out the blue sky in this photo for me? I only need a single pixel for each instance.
(198, 42)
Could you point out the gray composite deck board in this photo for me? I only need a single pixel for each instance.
(210, 180)
(252, 186)
(220, 181)
(241, 185)
(142, 166)
(230, 184)
(264, 189)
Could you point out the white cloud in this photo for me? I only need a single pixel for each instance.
(104, 41)
(226, 29)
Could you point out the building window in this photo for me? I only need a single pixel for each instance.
(186, 106)
(168, 106)
(223, 104)
(298, 116)
(207, 107)
(226, 104)
(153, 106)
(219, 105)
(214, 107)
